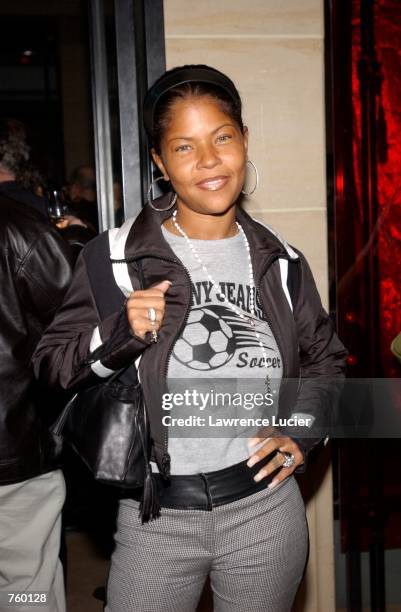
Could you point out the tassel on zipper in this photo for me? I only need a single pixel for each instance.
(149, 507)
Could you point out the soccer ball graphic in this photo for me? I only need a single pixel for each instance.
(207, 343)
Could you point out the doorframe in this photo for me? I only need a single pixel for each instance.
(140, 51)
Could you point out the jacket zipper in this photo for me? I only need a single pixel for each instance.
(269, 320)
(168, 357)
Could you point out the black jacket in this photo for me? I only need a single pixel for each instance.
(80, 349)
(34, 275)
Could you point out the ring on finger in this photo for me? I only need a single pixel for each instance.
(289, 460)
(152, 315)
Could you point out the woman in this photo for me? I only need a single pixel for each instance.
(226, 299)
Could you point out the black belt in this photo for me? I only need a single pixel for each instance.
(206, 490)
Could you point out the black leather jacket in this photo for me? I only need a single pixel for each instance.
(312, 354)
(34, 275)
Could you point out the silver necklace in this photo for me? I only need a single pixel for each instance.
(230, 305)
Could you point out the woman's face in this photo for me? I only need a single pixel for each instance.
(203, 154)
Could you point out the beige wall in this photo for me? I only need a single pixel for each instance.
(273, 50)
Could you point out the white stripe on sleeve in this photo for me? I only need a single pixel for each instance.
(98, 368)
(284, 276)
(96, 340)
(117, 241)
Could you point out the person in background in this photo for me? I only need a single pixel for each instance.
(76, 232)
(81, 195)
(19, 180)
(35, 272)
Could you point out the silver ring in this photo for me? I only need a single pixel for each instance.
(152, 314)
(289, 460)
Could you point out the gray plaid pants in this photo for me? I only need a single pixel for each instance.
(254, 550)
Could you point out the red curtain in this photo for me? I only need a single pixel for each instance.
(386, 237)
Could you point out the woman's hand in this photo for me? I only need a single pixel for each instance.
(138, 305)
(283, 444)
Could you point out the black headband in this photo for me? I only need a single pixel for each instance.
(179, 77)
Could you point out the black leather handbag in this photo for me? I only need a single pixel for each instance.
(107, 427)
(107, 424)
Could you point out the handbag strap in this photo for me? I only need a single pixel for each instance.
(100, 273)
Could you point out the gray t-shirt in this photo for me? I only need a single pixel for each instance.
(216, 345)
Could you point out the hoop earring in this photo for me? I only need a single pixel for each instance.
(248, 193)
(150, 201)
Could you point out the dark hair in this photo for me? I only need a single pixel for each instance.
(31, 179)
(14, 151)
(222, 90)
